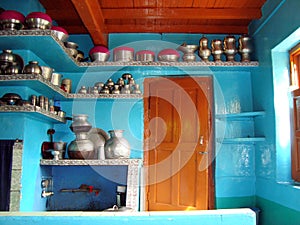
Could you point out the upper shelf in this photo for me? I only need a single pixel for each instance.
(39, 41)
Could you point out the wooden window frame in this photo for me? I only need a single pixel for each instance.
(295, 126)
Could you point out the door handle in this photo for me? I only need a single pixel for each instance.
(202, 153)
(201, 140)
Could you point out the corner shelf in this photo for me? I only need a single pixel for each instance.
(38, 41)
(35, 112)
(240, 116)
(243, 116)
(241, 140)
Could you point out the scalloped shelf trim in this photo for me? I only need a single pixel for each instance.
(46, 115)
(78, 162)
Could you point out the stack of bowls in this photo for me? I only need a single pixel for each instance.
(99, 53)
(71, 48)
(12, 20)
(38, 20)
(123, 54)
(60, 33)
(168, 55)
(145, 56)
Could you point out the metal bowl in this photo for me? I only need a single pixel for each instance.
(99, 57)
(145, 56)
(11, 24)
(38, 23)
(70, 44)
(60, 35)
(11, 98)
(168, 55)
(168, 58)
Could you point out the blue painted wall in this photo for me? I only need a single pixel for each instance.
(274, 35)
(245, 174)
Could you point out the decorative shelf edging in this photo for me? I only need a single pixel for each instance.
(90, 162)
(133, 174)
(30, 109)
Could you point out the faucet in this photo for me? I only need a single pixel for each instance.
(47, 188)
(47, 194)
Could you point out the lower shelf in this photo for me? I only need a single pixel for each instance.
(78, 162)
(241, 140)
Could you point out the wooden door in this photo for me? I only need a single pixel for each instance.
(178, 143)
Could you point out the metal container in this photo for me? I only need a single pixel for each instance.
(230, 48)
(117, 146)
(67, 83)
(145, 56)
(47, 72)
(245, 47)
(32, 68)
(204, 51)
(56, 79)
(217, 50)
(123, 54)
(81, 147)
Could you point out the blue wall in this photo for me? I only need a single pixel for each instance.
(274, 35)
(245, 175)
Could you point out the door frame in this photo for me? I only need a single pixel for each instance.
(207, 79)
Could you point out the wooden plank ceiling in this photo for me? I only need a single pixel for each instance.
(101, 17)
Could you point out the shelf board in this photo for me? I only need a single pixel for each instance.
(35, 112)
(242, 115)
(241, 140)
(78, 162)
(36, 82)
(38, 41)
(46, 88)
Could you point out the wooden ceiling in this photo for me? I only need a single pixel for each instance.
(101, 17)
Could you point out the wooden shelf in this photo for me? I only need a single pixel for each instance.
(35, 112)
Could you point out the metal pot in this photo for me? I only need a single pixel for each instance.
(117, 146)
(32, 68)
(11, 99)
(80, 123)
(81, 148)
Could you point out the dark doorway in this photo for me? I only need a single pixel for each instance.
(6, 152)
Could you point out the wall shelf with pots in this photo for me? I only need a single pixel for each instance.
(45, 87)
(38, 41)
(30, 110)
(35, 82)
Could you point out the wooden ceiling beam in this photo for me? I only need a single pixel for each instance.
(182, 13)
(205, 29)
(92, 17)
